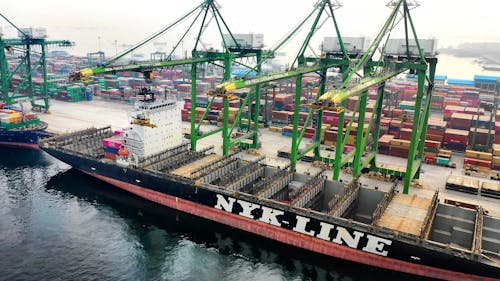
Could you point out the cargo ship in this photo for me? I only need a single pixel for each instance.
(21, 129)
(406, 233)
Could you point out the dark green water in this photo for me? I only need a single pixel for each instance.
(59, 224)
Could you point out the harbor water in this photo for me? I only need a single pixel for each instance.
(59, 224)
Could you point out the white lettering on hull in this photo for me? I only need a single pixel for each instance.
(375, 245)
(270, 216)
(343, 236)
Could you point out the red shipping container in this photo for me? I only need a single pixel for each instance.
(430, 159)
(432, 144)
(438, 138)
(405, 134)
(110, 155)
(477, 162)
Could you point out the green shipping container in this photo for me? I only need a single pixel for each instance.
(443, 161)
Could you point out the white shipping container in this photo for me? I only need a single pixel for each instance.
(398, 47)
(249, 41)
(352, 45)
(33, 32)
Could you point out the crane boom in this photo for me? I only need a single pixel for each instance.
(335, 97)
(148, 66)
(230, 86)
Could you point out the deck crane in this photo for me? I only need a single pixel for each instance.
(208, 12)
(376, 73)
(31, 50)
(301, 65)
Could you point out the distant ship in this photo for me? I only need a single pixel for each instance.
(20, 129)
(400, 232)
(491, 67)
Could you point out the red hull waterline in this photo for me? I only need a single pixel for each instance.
(19, 145)
(290, 237)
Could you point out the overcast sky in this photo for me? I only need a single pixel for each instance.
(127, 22)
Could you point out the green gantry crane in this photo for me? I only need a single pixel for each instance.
(303, 65)
(31, 55)
(375, 73)
(231, 54)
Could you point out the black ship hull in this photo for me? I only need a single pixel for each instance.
(313, 231)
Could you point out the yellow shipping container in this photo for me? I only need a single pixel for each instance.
(496, 149)
(496, 160)
(400, 143)
(351, 140)
(445, 152)
(478, 155)
(329, 143)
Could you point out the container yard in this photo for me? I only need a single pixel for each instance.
(361, 153)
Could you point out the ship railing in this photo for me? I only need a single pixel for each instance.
(342, 202)
(149, 160)
(218, 171)
(173, 160)
(212, 166)
(267, 181)
(71, 138)
(247, 179)
(309, 191)
(478, 231)
(276, 186)
(379, 211)
(183, 159)
(238, 173)
(429, 217)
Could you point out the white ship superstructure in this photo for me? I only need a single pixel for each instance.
(155, 127)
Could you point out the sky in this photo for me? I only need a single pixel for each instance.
(111, 25)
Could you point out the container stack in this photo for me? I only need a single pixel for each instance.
(455, 140)
(281, 101)
(9, 116)
(444, 157)
(384, 144)
(461, 121)
(431, 152)
(281, 118)
(477, 158)
(435, 130)
(113, 145)
(495, 163)
(399, 148)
